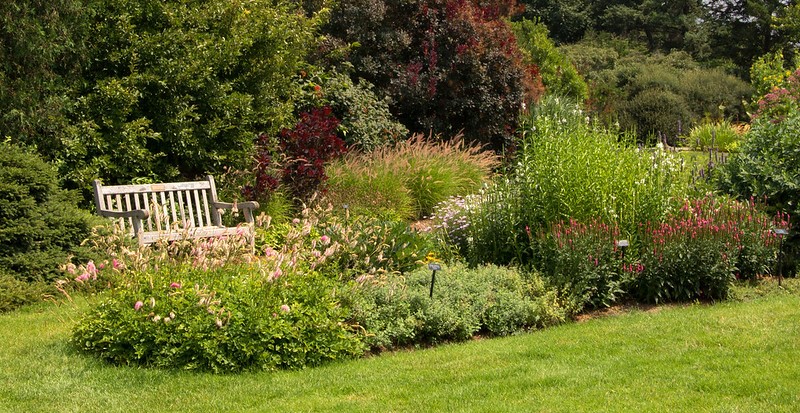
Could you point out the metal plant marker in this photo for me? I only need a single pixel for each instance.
(623, 245)
(433, 267)
(781, 233)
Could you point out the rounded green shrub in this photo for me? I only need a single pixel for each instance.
(397, 311)
(40, 223)
(655, 112)
(367, 123)
(714, 93)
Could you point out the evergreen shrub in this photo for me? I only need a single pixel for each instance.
(41, 225)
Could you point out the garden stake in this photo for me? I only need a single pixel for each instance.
(623, 245)
(781, 233)
(434, 268)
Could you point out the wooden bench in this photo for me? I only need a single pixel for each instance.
(170, 211)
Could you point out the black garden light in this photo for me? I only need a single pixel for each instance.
(781, 233)
(433, 267)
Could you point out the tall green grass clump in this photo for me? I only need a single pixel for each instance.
(570, 168)
(409, 178)
(722, 135)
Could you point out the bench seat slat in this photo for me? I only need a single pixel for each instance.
(172, 207)
(198, 209)
(204, 198)
(199, 232)
(189, 204)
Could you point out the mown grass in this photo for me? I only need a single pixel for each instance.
(732, 356)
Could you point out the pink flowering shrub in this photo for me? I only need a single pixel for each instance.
(781, 100)
(224, 319)
(582, 261)
(697, 252)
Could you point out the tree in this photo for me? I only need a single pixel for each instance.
(568, 21)
(180, 88)
(42, 52)
(743, 30)
(447, 65)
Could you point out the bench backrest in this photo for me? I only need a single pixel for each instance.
(189, 204)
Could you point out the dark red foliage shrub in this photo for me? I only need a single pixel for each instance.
(446, 65)
(307, 147)
(297, 160)
(266, 173)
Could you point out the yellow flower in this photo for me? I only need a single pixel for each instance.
(431, 257)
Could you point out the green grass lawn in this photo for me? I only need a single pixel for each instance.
(739, 356)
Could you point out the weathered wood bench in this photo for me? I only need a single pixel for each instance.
(170, 211)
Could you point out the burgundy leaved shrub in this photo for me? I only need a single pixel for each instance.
(297, 160)
(447, 66)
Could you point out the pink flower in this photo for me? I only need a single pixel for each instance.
(296, 221)
(277, 274)
(325, 239)
(115, 264)
(138, 305)
(285, 308)
(175, 285)
(83, 277)
(90, 268)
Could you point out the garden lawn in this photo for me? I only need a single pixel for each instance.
(733, 356)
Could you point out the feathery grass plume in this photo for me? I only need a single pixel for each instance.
(408, 179)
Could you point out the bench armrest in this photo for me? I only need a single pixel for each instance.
(247, 207)
(239, 205)
(136, 213)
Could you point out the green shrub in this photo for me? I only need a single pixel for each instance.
(397, 311)
(178, 88)
(15, 293)
(652, 92)
(559, 75)
(766, 165)
(655, 112)
(367, 123)
(423, 171)
(226, 319)
(714, 93)
(40, 223)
